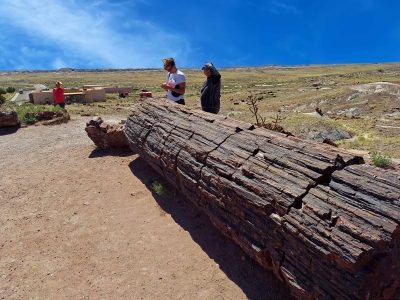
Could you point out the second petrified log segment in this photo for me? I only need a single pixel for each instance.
(106, 136)
(321, 219)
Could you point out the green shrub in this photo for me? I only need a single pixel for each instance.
(361, 139)
(158, 188)
(56, 108)
(380, 160)
(28, 119)
(10, 89)
(2, 91)
(23, 111)
(2, 99)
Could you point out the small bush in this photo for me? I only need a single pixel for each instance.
(56, 108)
(158, 188)
(361, 139)
(380, 160)
(2, 91)
(28, 119)
(2, 99)
(10, 89)
(23, 110)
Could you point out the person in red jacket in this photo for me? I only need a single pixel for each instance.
(58, 93)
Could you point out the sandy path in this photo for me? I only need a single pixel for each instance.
(77, 223)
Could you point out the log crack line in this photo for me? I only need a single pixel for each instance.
(219, 145)
(298, 201)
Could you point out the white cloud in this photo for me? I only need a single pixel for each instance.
(89, 32)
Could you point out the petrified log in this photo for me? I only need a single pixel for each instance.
(44, 115)
(323, 220)
(9, 118)
(106, 136)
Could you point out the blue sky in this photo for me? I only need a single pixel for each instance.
(53, 34)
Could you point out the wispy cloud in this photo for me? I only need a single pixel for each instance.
(87, 33)
(51, 34)
(281, 7)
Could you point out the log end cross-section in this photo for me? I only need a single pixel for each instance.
(325, 222)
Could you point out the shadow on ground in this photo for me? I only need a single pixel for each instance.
(8, 130)
(121, 152)
(255, 281)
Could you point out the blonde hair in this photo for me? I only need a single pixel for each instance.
(169, 61)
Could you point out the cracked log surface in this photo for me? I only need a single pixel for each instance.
(321, 219)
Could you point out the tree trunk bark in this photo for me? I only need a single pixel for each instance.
(319, 217)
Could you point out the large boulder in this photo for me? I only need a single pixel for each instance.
(335, 134)
(106, 136)
(9, 118)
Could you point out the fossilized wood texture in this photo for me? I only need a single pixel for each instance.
(106, 136)
(324, 221)
(9, 118)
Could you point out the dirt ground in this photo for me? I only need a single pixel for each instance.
(79, 223)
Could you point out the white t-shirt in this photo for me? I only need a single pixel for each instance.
(173, 80)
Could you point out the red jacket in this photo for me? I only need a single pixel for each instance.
(58, 94)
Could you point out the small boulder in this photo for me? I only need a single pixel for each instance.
(106, 136)
(9, 118)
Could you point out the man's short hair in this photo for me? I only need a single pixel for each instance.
(169, 61)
